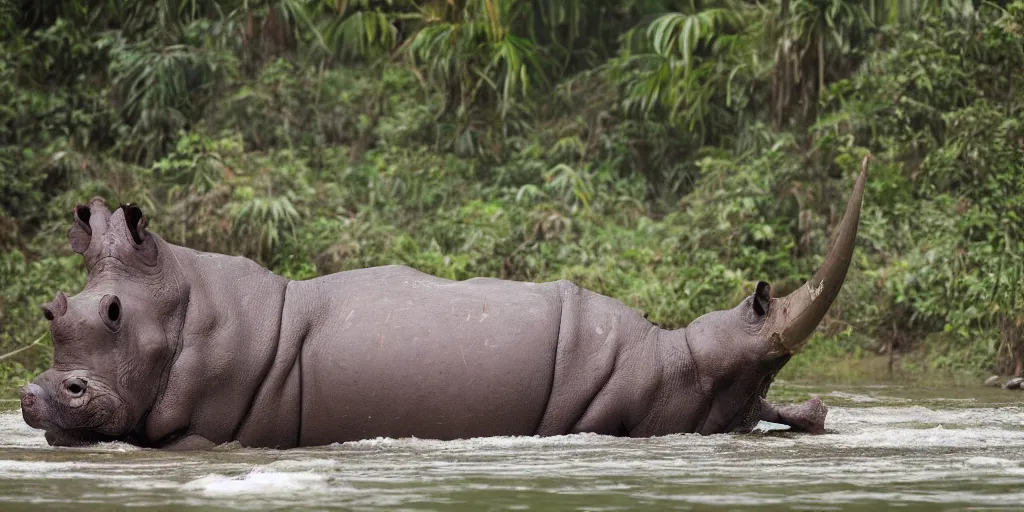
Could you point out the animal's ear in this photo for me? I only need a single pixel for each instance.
(80, 233)
(88, 222)
(136, 247)
(762, 298)
(136, 222)
(110, 311)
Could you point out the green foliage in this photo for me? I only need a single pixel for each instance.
(27, 286)
(666, 153)
(692, 69)
(162, 89)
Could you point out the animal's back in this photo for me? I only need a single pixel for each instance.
(393, 352)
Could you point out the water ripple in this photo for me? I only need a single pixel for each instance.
(881, 450)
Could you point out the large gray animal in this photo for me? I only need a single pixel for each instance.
(171, 347)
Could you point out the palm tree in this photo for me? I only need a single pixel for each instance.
(684, 64)
(813, 38)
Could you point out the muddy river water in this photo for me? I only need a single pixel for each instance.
(916, 448)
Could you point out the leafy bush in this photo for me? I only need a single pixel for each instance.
(668, 154)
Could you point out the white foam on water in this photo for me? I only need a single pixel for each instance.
(1010, 416)
(853, 397)
(16, 470)
(479, 443)
(975, 499)
(17, 433)
(918, 438)
(991, 462)
(261, 482)
(884, 453)
(303, 464)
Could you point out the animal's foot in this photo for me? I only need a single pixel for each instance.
(807, 417)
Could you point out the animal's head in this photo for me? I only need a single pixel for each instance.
(745, 346)
(114, 341)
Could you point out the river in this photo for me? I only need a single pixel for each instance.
(887, 445)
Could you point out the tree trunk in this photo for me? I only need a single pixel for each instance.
(821, 66)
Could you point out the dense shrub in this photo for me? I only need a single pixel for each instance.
(670, 159)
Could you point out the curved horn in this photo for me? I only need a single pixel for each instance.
(794, 317)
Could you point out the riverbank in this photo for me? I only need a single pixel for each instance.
(916, 368)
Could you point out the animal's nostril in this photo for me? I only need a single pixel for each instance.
(76, 387)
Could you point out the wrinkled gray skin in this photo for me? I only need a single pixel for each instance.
(171, 347)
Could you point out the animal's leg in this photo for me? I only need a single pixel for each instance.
(190, 443)
(806, 417)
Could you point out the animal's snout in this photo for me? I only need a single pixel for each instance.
(33, 405)
(75, 386)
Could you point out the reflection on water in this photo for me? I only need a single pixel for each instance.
(923, 449)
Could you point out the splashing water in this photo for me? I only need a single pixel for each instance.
(887, 445)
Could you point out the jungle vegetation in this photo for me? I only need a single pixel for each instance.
(668, 153)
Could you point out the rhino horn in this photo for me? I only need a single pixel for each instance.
(57, 308)
(793, 318)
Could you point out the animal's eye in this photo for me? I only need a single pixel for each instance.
(76, 387)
